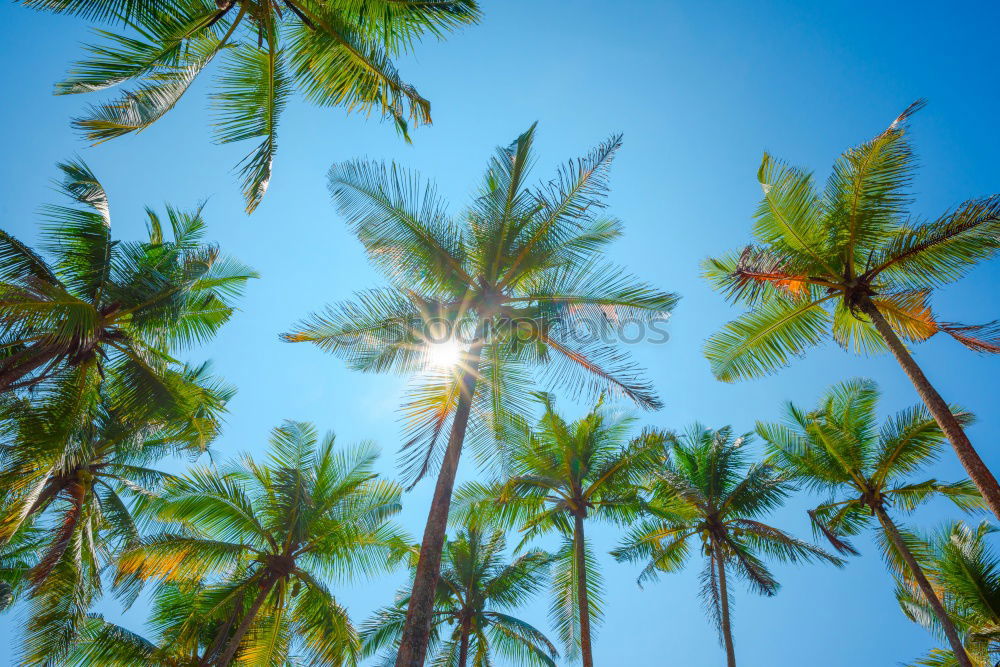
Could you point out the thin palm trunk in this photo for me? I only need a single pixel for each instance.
(463, 645)
(580, 549)
(727, 627)
(967, 455)
(925, 587)
(218, 641)
(420, 610)
(248, 619)
(77, 492)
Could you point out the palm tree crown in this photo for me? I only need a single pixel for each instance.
(265, 537)
(559, 475)
(703, 488)
(337, 52)
(820, 258)
(476, 594)
(516, 273)
(840, 450)
(101, 309)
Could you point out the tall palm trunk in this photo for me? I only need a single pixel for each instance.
(234, 642)
(463, 645)
(727, 627)
(580, 552)
(967, 455)
(77, 493)
(420, 610)
(925, 587)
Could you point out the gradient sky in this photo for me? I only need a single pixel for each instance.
(700, 90)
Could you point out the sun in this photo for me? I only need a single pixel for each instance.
(445, 354)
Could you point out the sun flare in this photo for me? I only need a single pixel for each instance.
(445, 354)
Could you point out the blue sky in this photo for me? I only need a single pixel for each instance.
(699, 90)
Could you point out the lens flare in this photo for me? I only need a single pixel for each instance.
(444, 355)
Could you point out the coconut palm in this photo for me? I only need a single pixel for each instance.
(101, 310)
(702, 488)
(513, 283)
(840, 449)
(850, 263)
(75, 499)
(965, 572)
(336, 52)
(477, 591)
(562, 475)
(264, 537)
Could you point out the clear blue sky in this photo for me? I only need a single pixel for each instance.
(699, 90)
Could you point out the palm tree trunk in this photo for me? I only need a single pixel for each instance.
(248, 619)
(582, 600)
(417, 628)
(77, 492)
(727, 627)
(925, 587)
(967, 455)
(463, 646)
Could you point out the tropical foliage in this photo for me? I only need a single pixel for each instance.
(101, 643)
(512, 279)
(965, 571)
(560, 475)
(336, 52)
(702, 488)
(477, 592)
(850, 263)
(839, 449)
(97, 311)
(70, 502)
(264, 538)
(487, 310)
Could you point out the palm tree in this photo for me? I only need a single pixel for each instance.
(517, 277)
(702, 488)
(77, 500)
(560, 476)
(476, 593)
(852, 263)
(839, 449)
(265, 536)
(965, 572)
(100, 309)
(336, 52)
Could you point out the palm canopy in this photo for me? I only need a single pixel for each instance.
(519, 273)
(839, 449)
(73, 499)
(96, 309)
(702, 488)
(819, 259)
(557, 473)
(266, 538)
(966, 571)
(336, 52)
(476, 596)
